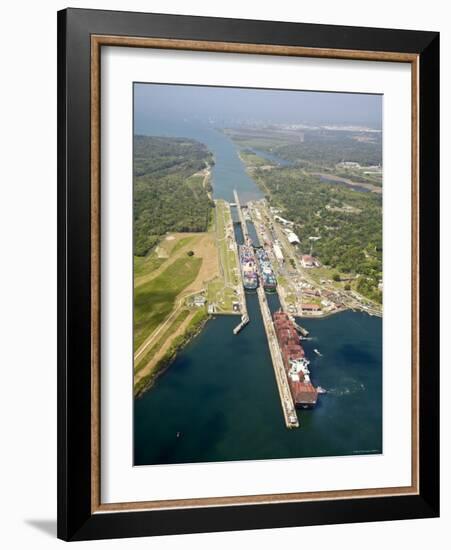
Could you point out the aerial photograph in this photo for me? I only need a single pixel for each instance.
(257, 262)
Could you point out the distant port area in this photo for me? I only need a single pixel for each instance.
(305, 287)
(277, 262)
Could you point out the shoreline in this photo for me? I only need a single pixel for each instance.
(167, 360)
(148, 381)
(335, 312)
(371, 187)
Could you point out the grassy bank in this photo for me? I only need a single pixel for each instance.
(252, 160)
(227, 256)
(194, 327)
(146, 264)
(166, 335)
(154, 300)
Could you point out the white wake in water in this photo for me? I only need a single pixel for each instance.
(349, 389)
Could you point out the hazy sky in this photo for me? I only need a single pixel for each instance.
(259, 105)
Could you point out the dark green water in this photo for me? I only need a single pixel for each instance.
(220, 393)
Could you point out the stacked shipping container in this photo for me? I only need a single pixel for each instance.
(304, 393)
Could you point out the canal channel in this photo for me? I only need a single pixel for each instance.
(219, 401)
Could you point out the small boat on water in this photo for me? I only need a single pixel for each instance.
(320, 390)
(317, 353)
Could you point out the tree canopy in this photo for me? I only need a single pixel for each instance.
(346, 224)
(167, 196)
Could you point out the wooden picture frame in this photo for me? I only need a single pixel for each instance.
(81, 35)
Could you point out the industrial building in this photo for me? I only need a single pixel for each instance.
(283, 221)
(311, 307)
(308, 261)
(293, 238)
(278, 252)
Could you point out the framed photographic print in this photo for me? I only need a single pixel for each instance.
(248, 274)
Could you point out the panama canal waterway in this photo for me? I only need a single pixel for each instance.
(220, 394)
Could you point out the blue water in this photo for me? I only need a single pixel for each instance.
(228, 171)
(220, 393)
(252, 233)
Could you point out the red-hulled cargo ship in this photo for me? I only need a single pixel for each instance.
(296, 364)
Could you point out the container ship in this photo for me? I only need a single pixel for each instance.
(267, 276)
(248, 267)
(296, 364)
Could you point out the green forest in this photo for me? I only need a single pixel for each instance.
(167, 195)
(347, 222)
(319, 149)
(329, 148)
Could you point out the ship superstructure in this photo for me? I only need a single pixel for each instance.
(268, 279)
(248, 267)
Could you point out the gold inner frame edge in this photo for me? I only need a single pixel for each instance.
(97, 41)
